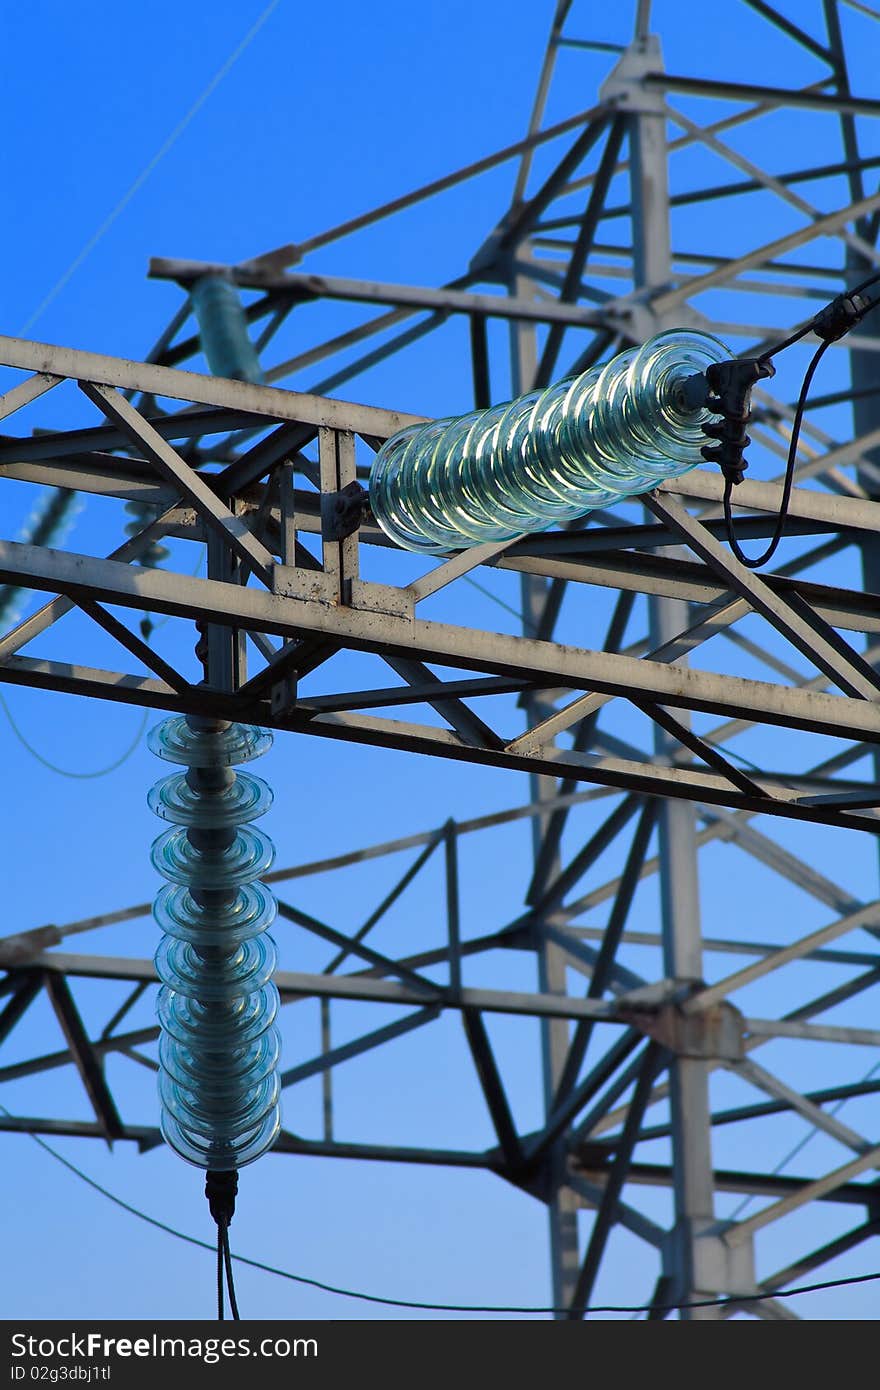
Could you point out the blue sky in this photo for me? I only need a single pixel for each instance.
(114, 153)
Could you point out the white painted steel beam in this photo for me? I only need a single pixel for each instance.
(369, 630)
(144, 377)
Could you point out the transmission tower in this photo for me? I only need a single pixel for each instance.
(713, 711)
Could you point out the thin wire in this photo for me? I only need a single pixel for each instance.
(438, 1307)
(148, 169)
(530, 628)
(801, 1144)
(66, 772)
(781, 519)
(101, 772)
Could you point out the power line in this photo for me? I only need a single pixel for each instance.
(801, 1144)
(529, 627)
(6, 592)
(148, 169)
(66, 772)
(123, 757)
(735, 1299)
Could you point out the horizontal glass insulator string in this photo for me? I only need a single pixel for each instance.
(588, 441)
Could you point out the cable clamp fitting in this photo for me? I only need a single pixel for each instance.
(221, 1187)
(730, 396)
(842, 314)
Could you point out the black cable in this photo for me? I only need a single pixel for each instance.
(219, 1272)
(865, 284)
(789, 475)
(221, 1187)
(808, 327)
(230, 1285)
(436, 1307)
(729, 387)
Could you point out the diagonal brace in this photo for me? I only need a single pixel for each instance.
(28, 987)
(84, 1057)
(374, 958)
(772, 1085)
(132, 643)
(493, 1089)
(175, 470)
(652, 1060)
(27, 391)
(387, 902)
(358, 1046)
(802, 628)
(602, 970)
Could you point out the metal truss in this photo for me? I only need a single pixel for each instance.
(633, 745)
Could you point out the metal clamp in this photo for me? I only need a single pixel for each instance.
(343, 511)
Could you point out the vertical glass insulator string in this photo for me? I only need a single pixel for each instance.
(219, 1047)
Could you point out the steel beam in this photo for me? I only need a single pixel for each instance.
(84, 1056)
(264, 401)
(606, 554)
(303, 286)
(292, 1076)
(297, 984)
(679, 894)
(607, 1212)
(773, 96)
(368, 630)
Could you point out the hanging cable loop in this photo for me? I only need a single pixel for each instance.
(788, 482)
(731, 388)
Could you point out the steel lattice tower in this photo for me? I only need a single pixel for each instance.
(722, 708)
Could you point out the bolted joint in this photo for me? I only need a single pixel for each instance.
(713, 1034)
(342, 512)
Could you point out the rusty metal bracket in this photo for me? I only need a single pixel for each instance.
(714, 1034)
